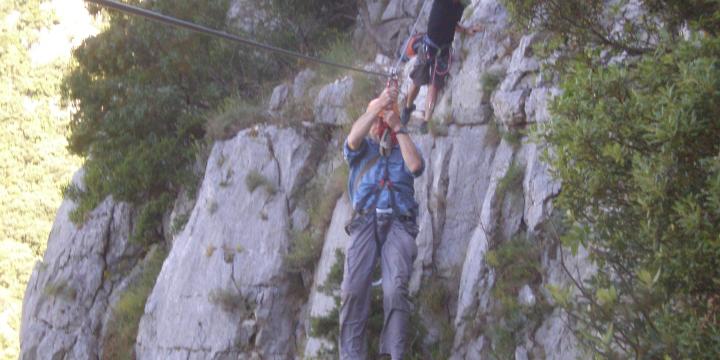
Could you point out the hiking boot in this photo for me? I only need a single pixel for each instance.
(424, 127)
(405, 114)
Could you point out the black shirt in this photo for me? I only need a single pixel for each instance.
(444, 16)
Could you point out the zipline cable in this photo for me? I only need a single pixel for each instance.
(133, 10)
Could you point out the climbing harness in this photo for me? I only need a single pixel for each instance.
(401, 56)
(436, 56)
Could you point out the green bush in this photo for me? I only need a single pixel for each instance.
(319, 197)
(143, 92)
(639, 168)
(516, 263)
(233, 115)
(304, 252)
(122, 327)
(490, 80)
(513, 178)
(149, 220)
(635, 146)
(34, 161)
(434, 299)
(299, 26)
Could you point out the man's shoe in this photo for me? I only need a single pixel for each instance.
(424, 127)
(405, 114)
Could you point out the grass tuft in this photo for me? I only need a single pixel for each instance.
(230, 301)
(490, 80)
(513, 178)
(60, 289)
(516, 263)
(233, 115)
(126, 312)
(255, 179)
(319, 199)
(437, 129)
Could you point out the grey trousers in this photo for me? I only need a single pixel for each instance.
(394, 241)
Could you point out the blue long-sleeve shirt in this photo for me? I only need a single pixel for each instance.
(402, 178)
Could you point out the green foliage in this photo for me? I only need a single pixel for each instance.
(513, 178)
(179, 222)
(635, 145)
(513, 137)
(143, 92)
(365, 89)
(34, 162)
(254, 179)
(149, 220)
(16, 265)
(299, 25)
(516, 263)
(434, 299)
(305, 251)
(123, 325)
(331, 287)
(699, 14)
(579, 25)
(582, 22)
(639, 166)
(490, 80)
(233, 115)
(319, 199)
(340, 51)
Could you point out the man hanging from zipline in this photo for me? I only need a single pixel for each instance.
(433, 55)
(383, 162)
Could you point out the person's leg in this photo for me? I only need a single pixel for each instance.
(409, 103)
(437, 81)
(398, 253)
(360, 257)
(412, 95)
(419, 76)
(430, 102)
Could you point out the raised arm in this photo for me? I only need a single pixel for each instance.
(362, 125)
(410, 155)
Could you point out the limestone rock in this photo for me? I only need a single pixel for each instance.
(67, 296)
(330, 103)
(278, 98)
(509, 107)
(303, 81)
(226, 267)
(319, 303)
(526, 296)
(224, 291)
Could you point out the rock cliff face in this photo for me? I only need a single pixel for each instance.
(70, 291)
(225, 291)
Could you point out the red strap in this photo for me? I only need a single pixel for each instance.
(387, 183)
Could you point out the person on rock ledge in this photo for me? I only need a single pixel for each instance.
(433, 56)
(383, 162)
